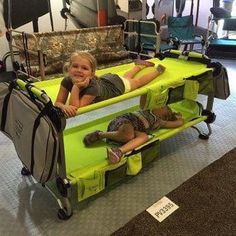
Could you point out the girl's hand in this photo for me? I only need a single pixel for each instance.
(69, 110)
(82, 84)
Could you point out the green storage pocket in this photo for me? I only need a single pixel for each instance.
(114, 176)
(150, 152)
(89, 187)
(175, 94)
(191, 89)
(134, 163)
(156, 98)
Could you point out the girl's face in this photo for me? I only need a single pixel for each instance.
(80, 69)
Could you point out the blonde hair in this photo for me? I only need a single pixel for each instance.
(165, 113)
(170, 115)
(86, 55)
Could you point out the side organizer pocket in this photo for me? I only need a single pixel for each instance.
(191, 89)
(142, 157)
(156, 97)
(150, 153)
(134, 164)
(115, 175)
(221, 82)
(90, 185)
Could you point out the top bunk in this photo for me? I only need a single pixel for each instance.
(179, 68)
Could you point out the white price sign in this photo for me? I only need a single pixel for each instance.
(162, 209)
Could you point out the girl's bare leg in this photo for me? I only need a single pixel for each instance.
(146, 78)
(114, 155)
(131, 73)
(143, 80)
(139, 65)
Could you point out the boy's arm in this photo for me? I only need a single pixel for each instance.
(172, 124)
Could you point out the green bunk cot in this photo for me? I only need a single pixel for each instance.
(79, 172)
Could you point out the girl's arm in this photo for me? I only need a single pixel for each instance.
(74, 96)
(61, 97)
(75, 99)
(86, 100)
(61, 102)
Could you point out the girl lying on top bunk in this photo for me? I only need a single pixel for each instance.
(85, 88)
(131, 130)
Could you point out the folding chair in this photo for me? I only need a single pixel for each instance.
(142, 37)
(181, 32)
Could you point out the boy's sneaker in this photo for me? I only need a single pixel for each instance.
(143, 63)
(160, 68)
(91, 138)
(114, 155)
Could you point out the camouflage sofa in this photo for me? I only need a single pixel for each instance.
(49, 51)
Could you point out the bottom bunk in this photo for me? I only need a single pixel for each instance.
(88, 167)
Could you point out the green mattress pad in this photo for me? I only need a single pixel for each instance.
(177, 71)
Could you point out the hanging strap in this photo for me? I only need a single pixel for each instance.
(5, 105)
(26, 52)
(35, 127)
(53, 157)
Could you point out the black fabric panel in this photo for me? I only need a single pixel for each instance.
(221, 51)
(24, 11)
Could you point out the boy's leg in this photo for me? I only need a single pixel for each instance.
(127, 135)
(139, 139)
(133, 71)
(115, 154)
(124, 133)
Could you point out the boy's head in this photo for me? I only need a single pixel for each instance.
(165, 113)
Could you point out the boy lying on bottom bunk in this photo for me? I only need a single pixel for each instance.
(131, 130)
